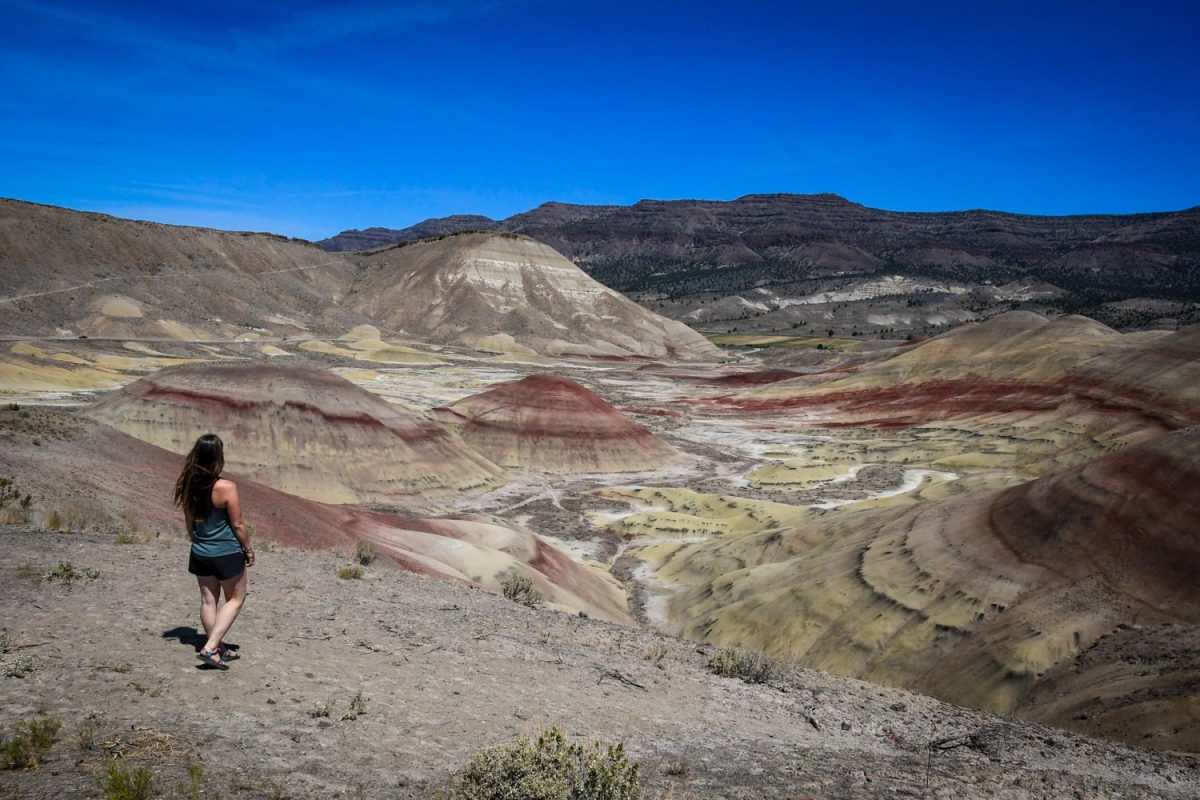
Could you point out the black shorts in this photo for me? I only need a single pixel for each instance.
(220, 567)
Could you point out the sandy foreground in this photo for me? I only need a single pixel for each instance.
(447, 670)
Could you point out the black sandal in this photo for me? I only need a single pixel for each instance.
(228, 653)
(212, 659)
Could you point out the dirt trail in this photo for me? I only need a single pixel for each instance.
(448, 670)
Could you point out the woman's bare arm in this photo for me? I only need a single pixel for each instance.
(233, 505)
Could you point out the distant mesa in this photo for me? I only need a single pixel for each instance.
(778, 262)
(302, 430)
(379, 237)
(547, 423)
(465, 289)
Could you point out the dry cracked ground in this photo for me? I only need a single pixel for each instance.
(447, 669)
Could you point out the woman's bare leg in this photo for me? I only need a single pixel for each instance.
(210, 593)
(235, 596)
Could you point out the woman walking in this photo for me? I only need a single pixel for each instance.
(220, 544)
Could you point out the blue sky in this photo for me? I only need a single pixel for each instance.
(306, 119)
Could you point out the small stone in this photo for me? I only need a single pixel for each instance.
(845, 726)
(899, 707)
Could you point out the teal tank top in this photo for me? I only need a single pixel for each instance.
(213, 536)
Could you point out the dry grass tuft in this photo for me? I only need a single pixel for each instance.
(655, 652)
(146, 744)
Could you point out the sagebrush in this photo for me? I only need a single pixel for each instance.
(67, 573)
(122, 782)
(749, 665)
(358, 706)
(548, 768)
(28, 742)
(519, 589)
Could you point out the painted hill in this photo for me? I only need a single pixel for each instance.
(1014, 363)
(302, 430)
(93, 477)
(977, 598)
(491, 290)
(549, 423)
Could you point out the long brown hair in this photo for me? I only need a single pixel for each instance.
(193, 490)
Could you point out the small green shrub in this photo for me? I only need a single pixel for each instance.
(548, 768)
(519, 589)
(320, 710)
(350, 573)
(358, 705)
(125, 536)
(67, 573)
(28, 743)
(122, 782)
(18, 665)
(749, 665)
(365, 552)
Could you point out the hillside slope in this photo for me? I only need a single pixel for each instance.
(65, 273)
(83, 475)
(303, 430)
(447, 670)
(463, 289)
(550, 423)
(975, 597)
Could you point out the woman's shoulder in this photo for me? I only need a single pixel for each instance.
(224, 486)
